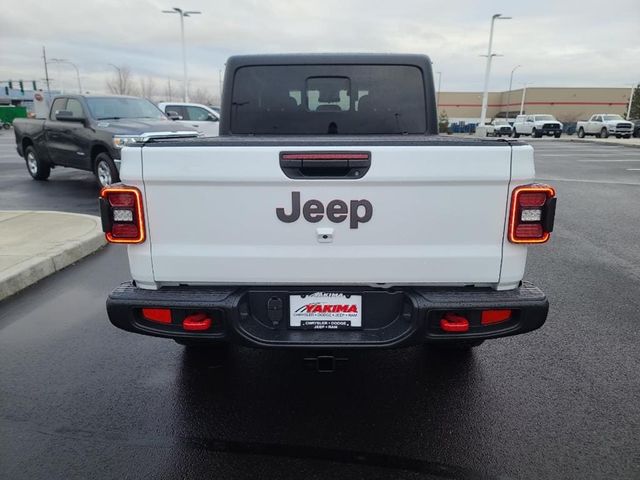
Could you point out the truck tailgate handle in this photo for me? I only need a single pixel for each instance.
(323, 165)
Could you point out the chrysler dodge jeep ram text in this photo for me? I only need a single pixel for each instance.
(328, 214)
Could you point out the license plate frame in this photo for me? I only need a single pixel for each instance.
(325, 311)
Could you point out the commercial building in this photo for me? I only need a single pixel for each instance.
(566, 104)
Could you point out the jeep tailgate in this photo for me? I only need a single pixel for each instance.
(437, 216)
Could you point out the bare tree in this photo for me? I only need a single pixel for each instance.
(202, 96)
(147, 88)
(122, 81)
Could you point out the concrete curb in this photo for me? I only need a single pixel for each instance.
(35, 244)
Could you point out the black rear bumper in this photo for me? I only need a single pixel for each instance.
(391, 317)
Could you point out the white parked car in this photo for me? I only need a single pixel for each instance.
(537, 126)
(202, 118)
(604, 124)
(498, 127)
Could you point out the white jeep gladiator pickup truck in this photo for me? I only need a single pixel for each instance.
(328, 214)
(604, 124)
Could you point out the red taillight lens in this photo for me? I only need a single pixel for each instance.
(121, 199)
(529, 231)
(532, 199)
(532, 213)
(489, 317)
(122, 214)
(159, 315)
(124, 231)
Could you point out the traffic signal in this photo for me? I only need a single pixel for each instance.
(21, 87)
(34, 85)
(6, 91)
(10, 85)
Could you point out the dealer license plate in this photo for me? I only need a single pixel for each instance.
(325, 311)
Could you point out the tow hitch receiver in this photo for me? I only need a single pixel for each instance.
(324, 363)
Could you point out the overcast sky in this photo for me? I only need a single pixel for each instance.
(558, 42)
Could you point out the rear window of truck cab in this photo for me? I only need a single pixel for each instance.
(328, 99)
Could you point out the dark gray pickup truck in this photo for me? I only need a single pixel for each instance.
(87, 132)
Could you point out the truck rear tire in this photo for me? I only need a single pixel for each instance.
(557, 134)
(38, 169)
(604, 133)
(515, 134)
(581, 132)
(105, 170)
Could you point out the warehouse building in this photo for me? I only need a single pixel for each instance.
(566, 104)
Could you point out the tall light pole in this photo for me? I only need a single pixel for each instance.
(46, 70)
(509, 94)
(220, 83)
(485, 95)
(63, 60)
(524, 94)
(183, 13)
(438, 95)
(633, 89)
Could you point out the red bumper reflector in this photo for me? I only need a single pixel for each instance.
(453, 323)
(159, 315)
(489, 317)
(197, 322)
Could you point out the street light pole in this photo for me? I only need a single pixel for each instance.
(46, 70)
(485, 95)
(183, 13)
(509, 94)
(438, 95)
(524, 94)
(62, 60)
(220, 84)
(633, 89)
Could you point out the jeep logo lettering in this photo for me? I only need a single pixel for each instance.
(337, 211)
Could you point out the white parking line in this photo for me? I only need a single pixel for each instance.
(578, 180)
(633, 169)
(608, 161)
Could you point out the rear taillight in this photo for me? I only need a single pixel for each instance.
(532, 212)
(122, 214)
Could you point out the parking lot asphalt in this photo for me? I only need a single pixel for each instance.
(81, 399)
(69, 190)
